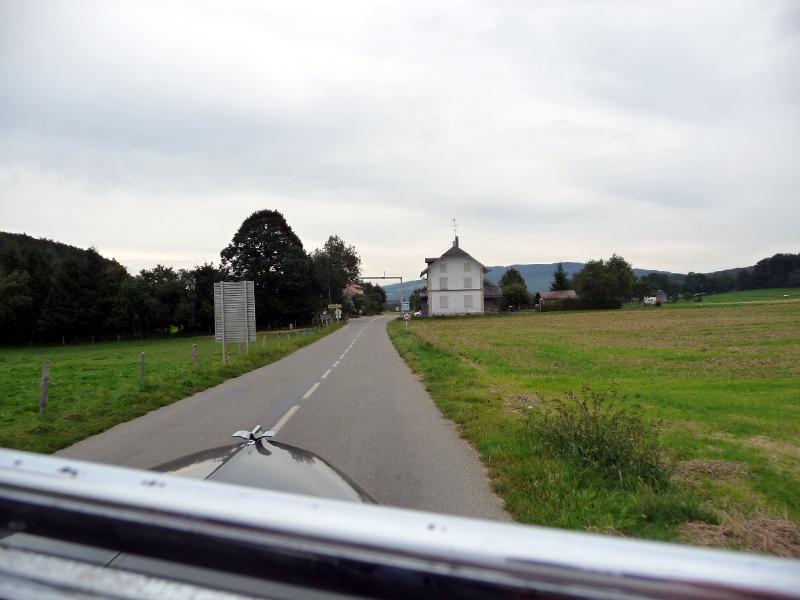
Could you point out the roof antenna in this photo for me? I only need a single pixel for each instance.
(455, 231)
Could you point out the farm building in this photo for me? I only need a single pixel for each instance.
(455, 283)
(656, 298)
(559, 300)
(353, 289)
(491, 298)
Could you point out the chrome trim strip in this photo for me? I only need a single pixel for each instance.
(508, 555)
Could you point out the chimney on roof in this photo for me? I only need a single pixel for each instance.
(455, 242)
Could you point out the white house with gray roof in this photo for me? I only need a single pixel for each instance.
(455, 283)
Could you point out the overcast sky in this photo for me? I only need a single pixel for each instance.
(667, 132)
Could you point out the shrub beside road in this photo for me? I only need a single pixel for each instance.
(96, 386)
(718, 386)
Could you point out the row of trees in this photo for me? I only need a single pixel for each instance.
(780, 270)
(49, 296)
(51, 291)
(601, 284)
(607, 284)
(372, 302)
(290, 284)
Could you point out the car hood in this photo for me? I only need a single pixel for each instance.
(269, 465)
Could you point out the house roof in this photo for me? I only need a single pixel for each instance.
(454, 250)
(559, 295)
(353, 289)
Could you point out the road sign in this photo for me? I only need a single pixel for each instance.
(407, 316)
(332, 306)
(234, 313)
(338, 313)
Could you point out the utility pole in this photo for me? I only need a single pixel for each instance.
(328, 257)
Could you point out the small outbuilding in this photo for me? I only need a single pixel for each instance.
(656, 298)
(556, 300)
(491, 298)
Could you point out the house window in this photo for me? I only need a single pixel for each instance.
(467, 267)
(442, 283)
(467, 283)
(443, 302)
(468, 301)
(443, 267)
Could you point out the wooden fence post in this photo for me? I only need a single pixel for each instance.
(141, 367)
(45, 386)
(194, 357)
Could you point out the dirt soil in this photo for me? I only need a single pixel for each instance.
(715, 469)
(754, 533)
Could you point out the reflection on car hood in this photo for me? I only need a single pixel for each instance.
(269, 465)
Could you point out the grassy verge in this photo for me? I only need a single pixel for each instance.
(722, 382)
(94, 387)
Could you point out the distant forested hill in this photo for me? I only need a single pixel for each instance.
(537, 277)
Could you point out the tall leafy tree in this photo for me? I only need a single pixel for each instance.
(267, 251)
(202, 280)
(514, 295)
(372, 301)
(511, 276)
(605, 284)
(776, 271)
(16, 305)
(82, 296)
(620, 279)
(560, 279)
(513, 289)
(334, 266)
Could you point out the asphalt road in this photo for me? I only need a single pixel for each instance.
(349, 398)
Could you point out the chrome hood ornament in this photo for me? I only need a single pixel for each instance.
(252, 436)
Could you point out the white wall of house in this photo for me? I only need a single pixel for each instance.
(455, 286)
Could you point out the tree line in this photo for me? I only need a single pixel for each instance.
(612, 282)
(51, 292)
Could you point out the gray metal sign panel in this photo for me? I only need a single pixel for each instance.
(234, 311)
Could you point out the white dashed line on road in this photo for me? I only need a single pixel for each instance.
(342, 356)
(325, 374)
(336, 364)
(310, 391)
(288, 415)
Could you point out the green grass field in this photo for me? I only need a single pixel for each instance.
(96, 386)
(724, 382)
(766, 295)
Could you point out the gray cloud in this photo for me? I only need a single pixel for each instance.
(564, 130)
